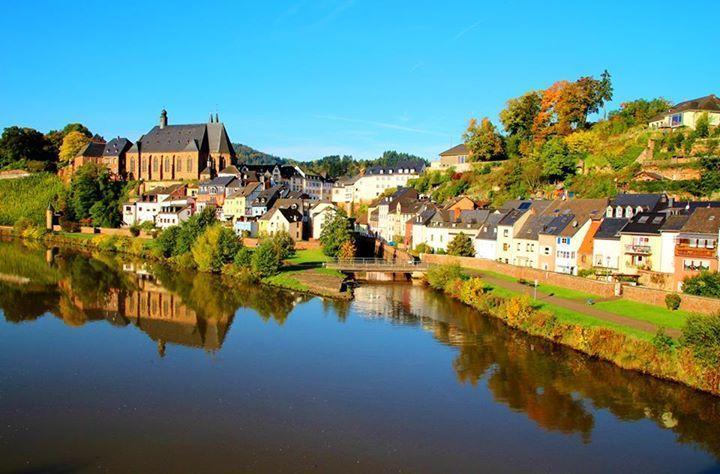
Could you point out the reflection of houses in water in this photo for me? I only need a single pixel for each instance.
(155, 310)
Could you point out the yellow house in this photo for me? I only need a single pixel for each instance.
(641, 243)
(236, 205)
(686, 114)
(282, 219)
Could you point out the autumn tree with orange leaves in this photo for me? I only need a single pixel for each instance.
(483, 141)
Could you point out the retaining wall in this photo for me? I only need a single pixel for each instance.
(692, 303)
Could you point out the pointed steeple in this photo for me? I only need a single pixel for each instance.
(217, 120)
(210, 119)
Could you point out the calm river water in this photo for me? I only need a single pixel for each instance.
(113, 365)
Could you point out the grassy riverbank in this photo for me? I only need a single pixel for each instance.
(691, 359)
(303, 272)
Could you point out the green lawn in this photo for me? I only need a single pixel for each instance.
(309, 256)
(645, 312)
(79, 236)
(573, 317)
(567, 293)
(286, 280)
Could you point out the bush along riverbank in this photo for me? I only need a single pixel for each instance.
(693, 360)
(203, 244)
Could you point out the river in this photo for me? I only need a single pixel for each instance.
(111, 364)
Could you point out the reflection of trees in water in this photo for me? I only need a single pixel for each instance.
(24, 304)
(551, 384)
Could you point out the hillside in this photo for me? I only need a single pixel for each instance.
(251, 156)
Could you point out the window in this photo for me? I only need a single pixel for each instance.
(167, 165)
(178, 165)
(505, 232)
(156, 164)
(546, 250)
(189, 164)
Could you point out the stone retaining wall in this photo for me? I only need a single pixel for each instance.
(691, 303)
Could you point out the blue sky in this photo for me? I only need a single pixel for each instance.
(304, 79)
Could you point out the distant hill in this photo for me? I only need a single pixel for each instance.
(251, 156)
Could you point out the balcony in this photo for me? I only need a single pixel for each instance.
(694, 252)
(638, 249)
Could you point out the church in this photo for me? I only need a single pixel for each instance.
(180, 152)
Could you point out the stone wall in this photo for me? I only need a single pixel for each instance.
(299, 245)
(691, 303)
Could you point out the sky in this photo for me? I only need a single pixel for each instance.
(303, 79)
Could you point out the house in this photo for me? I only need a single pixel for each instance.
(146, 207)
(173, 214)
(265, 200)
(626, 205)
(418, 226)
(459, 204)
(219, 186)
(668, 237)
(606, 244)
(457, 157)
(237, 203)
(320, 213)
(560, 240)
(180, 152)
(290, 176)
(696, 247)
(111, 155)
(686, 114)
(393, 213)
(585, 252)
(375, 181)
(282, 219)
(508, 250)
(443, 228)
(485, 241)
(640, 243)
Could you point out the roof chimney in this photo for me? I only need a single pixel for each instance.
(163, 118)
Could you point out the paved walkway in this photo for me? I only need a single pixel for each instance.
(577, 305)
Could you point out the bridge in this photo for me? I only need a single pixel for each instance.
(377, 265)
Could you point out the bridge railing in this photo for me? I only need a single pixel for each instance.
(375, 263)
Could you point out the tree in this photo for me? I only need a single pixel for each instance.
(266, 260)
(19, 147)
(461, 246)
(71, 146)
(243, 258)
(284, 244)
(483, 141)
(557, 161)
(216, 247)
(167, 240)
(347, 251)
(519, 114)
(605, 89)
(191, 229)
(335, 233)
(94, 195)
(702, 125)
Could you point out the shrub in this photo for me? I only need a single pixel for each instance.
(472, 291)
(135, 230)
(243, 257)
(216, 247)
(191, 229)
(68, 225)
(662, 341)
(461, 245)
(266, 260)
(701, 335)
(422, 247)
(105, 243)
(241, 274)
(167, 240)
(704, 284)
(439, 276)
(672, 301)
(284, 244)
(21, 224)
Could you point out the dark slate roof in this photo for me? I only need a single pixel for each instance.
(556, 225)
(533, 226)
(709, 103)
(645, 223)
(460, 149)
(218, 140)
(116, 146)
(174, 138)
(649, 202)
(220, 181)
(292, 215)
(610, 228)
(232, 169)
(477, 216)
(417, 166)
(488, 231)
(703, 221)
(93, 149)
(424, 217)
(675, 222)
(512, 216)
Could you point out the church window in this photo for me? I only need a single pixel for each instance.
(156, 164)
(189, 164)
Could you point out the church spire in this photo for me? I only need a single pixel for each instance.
(217, 120)
(210, 119)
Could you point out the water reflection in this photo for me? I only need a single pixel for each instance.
(558, 389)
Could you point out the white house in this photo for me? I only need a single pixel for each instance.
(173, 214)
(606, 244)
(375, 181)
(485, 241)
(686, 114)
(320, 213)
